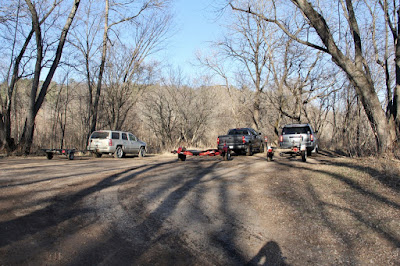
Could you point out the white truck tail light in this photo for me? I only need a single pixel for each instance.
(110, 142)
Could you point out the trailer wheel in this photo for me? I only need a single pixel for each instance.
(119, 153)
(303, 156)
(227, 156)
(97, 155)
(181, 157)
(49, 155)
(249, 151)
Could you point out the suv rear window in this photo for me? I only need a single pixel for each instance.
(115, 135)
(99, 135)
(296, 130)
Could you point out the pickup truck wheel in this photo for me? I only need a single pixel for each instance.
(71, 156)
(142, 152)
(262, 148)
(119, 153)
(249, 151)
(309, 152)
(303, 156)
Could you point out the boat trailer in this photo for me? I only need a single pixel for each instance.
(70, 153)
(183, 152)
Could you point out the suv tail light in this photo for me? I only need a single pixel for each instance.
(312, 137)
(110, 142)
(217, 141)
(244, 140)
(281, 138)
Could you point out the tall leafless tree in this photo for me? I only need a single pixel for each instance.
(127, 74)
(13, 22)
(37, 96)
(116, 13)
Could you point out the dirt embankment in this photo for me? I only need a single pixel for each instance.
(204, 211)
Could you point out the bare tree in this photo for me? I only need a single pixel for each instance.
(14, 24)
(353, 63)
(127, 74)
(124, 12)
(246, 47)
(37, 96)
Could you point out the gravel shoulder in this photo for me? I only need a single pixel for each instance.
(204, 211)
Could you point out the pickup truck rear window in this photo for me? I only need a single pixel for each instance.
(99, 135)
(238, 132)
(296, 130)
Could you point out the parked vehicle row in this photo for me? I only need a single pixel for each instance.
(295, 140)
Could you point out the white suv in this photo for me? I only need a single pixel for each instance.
(117, 143)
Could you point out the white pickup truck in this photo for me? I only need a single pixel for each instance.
(117, 143)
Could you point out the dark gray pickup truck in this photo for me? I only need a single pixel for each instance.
(242, 140)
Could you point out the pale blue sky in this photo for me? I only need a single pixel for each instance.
(196, 26)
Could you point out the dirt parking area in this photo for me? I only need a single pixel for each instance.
(204, 211)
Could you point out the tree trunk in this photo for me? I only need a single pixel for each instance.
(101, 72)
(36, 101)
(357, 72)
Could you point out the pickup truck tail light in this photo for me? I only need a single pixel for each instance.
(312, 137)
(110, 142)
(281, 138)
(244, 140)
(217, 141)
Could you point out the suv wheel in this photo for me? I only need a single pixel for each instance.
(303, 156)
(119, 153)
(309, 152)
(142, 152)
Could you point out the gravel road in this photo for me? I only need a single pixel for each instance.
(204, 211)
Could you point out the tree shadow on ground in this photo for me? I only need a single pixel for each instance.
(350, 211)
(62, 209)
